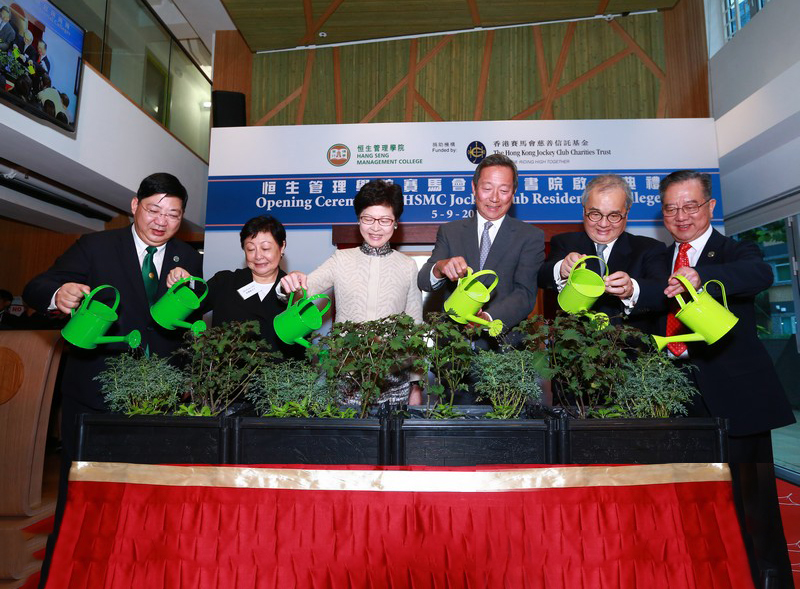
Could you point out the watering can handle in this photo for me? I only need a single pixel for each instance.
(472, 276)
(183, 281)
(90, 296)
(314, 298)
(291, 297)
(583, 261)
(690, 289)
(721, 287)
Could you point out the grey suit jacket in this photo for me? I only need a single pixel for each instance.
(516, 255)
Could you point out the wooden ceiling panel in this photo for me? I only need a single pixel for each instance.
(281, 24)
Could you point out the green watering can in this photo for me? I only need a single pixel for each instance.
(582, 289)
(703, 314)
(300, 319)
(89, 323)
(468, 298)
(177, 303)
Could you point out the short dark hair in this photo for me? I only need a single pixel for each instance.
(263, 224)
(379, 192)
(684, 176)
(6, 295)
(496, 159)
(5, 9)
(162, 183)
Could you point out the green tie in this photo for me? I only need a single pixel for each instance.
(149, 275)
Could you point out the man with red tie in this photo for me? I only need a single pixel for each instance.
(735, 375)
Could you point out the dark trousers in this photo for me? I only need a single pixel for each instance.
(70, 410)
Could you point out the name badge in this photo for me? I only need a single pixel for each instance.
(248, 290)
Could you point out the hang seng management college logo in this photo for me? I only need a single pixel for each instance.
(476, 151)
(339, 154)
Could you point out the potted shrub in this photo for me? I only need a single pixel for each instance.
(620, 400)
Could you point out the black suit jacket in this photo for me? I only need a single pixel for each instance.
(109, 257)
(641, 257)
(735, 375)
(228, 305)
(516, 255)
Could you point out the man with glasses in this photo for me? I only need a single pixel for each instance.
(735, 375)
(635, 279)
(135, 260)
(491, 240)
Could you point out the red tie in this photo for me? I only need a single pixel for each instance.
(674, 326)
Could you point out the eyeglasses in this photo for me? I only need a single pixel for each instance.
(382, 221)
(596, 216)
(156, 213)
(690, 209)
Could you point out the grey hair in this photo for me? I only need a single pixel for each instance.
(607, 182)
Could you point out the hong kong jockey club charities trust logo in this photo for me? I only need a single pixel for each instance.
(339, 154)
(476, 151)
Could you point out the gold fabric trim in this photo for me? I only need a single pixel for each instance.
(399, 480)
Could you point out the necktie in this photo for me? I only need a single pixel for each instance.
(486, 242)
(674, 326)
(601, 248)
(149, 275)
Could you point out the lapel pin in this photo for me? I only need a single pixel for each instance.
(175, 259)
(710, 254)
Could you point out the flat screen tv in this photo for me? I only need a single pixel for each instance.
(40, 60)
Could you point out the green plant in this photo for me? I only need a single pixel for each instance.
(449, 356)
(293, 388)
(222, 361)
(584, 363)
(139, 384)
(357, 357)
(653, 387)
(507, 378)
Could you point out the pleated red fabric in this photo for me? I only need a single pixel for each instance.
(166, 536)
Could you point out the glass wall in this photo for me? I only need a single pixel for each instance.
(127, 43)
(777, 326)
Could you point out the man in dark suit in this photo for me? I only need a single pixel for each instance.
(135, 260)
(42, 61)
(492, 240)
(7, 32)
(735, 375)
(634, 285)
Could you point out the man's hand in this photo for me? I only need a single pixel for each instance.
(619, 284)
(294, 282)
(175, 275)
(70, 295)
(483, 315)
(568, 262)
(675, 286)
(452, 268)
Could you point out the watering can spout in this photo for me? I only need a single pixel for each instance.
(133, 339)
(662, 341)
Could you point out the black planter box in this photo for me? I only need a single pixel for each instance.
(473, 441)
(156, 439)
(269, 440)
(642, 441)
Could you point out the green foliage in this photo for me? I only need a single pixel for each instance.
(449, 355)
(331, 411)
(653, 387)
(10, 67)
(293, 388)
(136, 384)
(584, 363)
(445, 411)
(507, 378)
(191, 410)
(359, 356)
(222, 362)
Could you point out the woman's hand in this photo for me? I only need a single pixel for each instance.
(175, 275)
(295, 282)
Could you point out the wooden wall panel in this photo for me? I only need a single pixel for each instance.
(687, 60)
(233, 65)
(585, 70)
(26, 251)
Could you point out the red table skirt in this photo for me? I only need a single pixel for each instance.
(572, 527)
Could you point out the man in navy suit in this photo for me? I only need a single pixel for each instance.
(513, 249)
(7, 33)
(735, 375)
(634, 285)
(116, 257)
